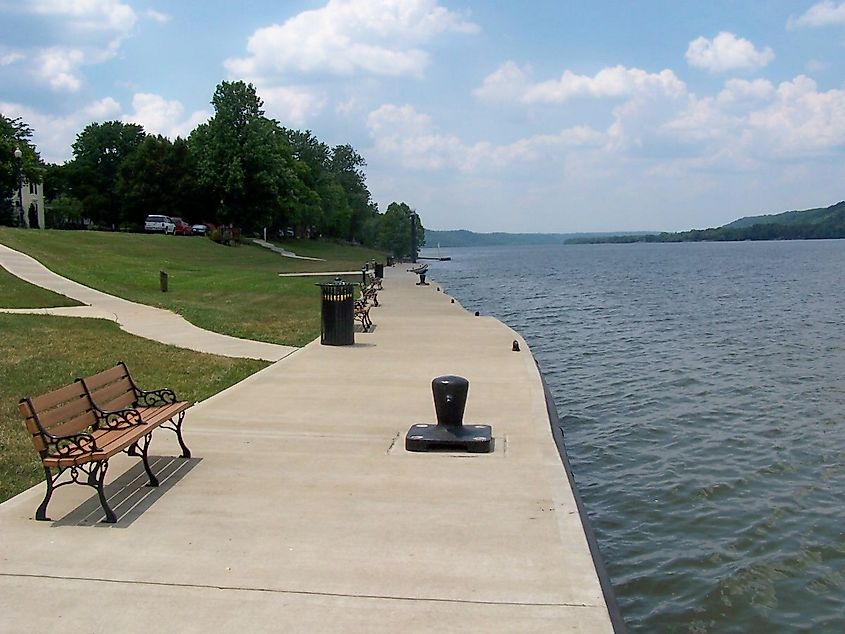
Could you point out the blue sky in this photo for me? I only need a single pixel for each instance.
(488, 115)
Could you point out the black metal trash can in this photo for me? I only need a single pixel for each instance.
(337, 323)
(379, 270)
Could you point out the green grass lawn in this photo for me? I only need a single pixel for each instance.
(15, 293)
(39, 353)
(233, 290)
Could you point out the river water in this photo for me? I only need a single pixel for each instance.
(701, 391)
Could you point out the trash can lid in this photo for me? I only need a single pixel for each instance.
(337, 282)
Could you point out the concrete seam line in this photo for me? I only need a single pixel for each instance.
(342, 595)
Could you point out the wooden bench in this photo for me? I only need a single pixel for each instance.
(370, 293)
(80, 426)
(362, 313)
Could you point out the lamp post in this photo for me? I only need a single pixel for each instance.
(19, 199)
(414, 237)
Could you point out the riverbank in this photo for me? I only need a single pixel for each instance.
(302, 511)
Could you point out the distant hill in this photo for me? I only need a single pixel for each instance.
(464, 238)
(809, 224)
(820, 215)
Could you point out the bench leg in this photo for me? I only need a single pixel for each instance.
(100, 469)
(145, 458)
(186, 453)
(41, 513)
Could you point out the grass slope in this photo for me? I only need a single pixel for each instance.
(232, 290)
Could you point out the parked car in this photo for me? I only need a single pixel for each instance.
(182, 228)
(199, 230)
(159, 223)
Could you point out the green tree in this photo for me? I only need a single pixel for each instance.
(99, 152)
(241, 158)
(394, 231)
(159, 177)
(15, 134)
(347, 166)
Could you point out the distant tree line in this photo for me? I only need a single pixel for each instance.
(240, 168)
(813, 224)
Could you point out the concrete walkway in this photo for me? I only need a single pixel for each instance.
(302, 512)
(283, 252)
(144, 321)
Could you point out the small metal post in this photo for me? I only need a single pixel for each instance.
(162, 280)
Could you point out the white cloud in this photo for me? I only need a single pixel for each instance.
(749, 124)
(11, 57)
(102, 110)
(726, 52)
(744, 126)
(93, 15)
(59, 68)
(157, 16)
(53, 135)
(71, 34)
(512, 83)
(292, 105)
(159, 116)
(401, 133)
(825, 13)
(800, 120)
(348, 37)
(738, 91)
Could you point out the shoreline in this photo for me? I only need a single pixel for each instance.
(614, 611)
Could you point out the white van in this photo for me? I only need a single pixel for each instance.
(159, 223)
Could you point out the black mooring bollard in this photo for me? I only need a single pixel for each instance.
(450, 397)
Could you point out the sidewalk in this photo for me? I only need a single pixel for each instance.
(144, 321)
(302, 512)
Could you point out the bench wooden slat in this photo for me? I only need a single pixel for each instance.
(96, 381)
(118, 395)
(52, 418)
(109, 443)
(31, 425)
(74, 425)
(57, 397)
(156, 415)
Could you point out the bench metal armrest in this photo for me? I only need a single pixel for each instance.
(71, 445)
(155, 398)
(118, 419)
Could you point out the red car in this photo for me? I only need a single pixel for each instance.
(182, 227)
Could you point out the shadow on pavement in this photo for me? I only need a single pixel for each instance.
(129, 496)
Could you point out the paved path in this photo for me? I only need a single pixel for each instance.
(144, 321)
(284, 252)
(302, 512)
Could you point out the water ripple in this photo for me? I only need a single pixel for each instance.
(700, 389)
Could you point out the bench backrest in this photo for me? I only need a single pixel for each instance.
(112, 389)
(62, 412)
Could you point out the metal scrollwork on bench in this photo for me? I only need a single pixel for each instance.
(120, 419)
(155, 398)
(70, 446)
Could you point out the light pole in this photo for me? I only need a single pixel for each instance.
(414, 237)
(19, 200)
